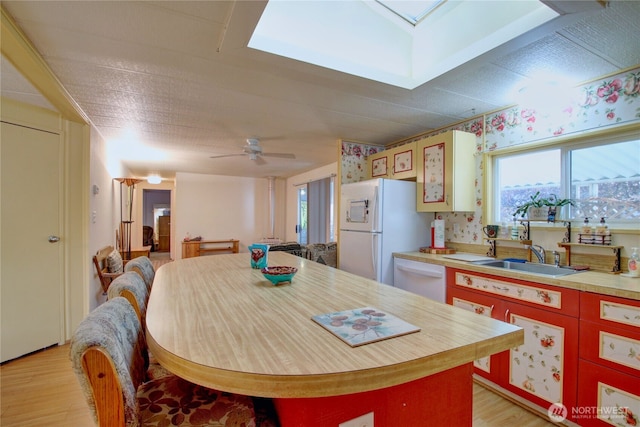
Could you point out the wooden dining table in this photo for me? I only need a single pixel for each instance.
(217, 322)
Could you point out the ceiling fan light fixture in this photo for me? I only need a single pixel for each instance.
(154, 179)
(254, 151)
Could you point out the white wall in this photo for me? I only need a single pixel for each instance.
(291, 214)
(219, 208)
(78, 262)
(104, 217)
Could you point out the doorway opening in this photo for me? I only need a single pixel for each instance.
(316, 222)
(156, 214)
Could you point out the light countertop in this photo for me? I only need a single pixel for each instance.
(217, 322)
(590, 281)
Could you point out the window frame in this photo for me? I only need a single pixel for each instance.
(565, 145)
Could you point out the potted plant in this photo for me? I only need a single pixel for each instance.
(541, 208)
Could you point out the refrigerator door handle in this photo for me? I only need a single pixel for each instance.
(376, 210)
(374, 259)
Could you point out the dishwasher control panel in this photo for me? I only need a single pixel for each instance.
(428, 280)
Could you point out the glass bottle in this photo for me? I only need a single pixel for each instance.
(634, 263)
(602, 228)
(515, 232)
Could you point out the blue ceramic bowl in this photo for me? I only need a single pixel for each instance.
(279, 274)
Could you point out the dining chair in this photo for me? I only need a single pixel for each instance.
(131, 286)
(144, 267)
(109, 265)
(107, 354)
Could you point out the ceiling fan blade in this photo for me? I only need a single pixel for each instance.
(281, 155)
(259, 161)
(227, 155)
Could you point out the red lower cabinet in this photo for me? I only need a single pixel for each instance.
(544, 369)
(606, 397)
(581, 349)
(609, 369)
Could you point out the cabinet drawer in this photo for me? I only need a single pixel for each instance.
(609, 346)
(619, 312)
(557, 299)
(606, 397)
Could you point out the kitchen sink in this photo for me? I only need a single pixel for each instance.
(527, 267)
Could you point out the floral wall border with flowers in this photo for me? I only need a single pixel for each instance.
(604, 102)
(354, 161)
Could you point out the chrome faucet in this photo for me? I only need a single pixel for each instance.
(556, 258)
(538, 251)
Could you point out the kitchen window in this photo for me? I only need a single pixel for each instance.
(601, 175)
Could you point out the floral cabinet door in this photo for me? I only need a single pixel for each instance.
(445, 172)
(543, 369)
(607, 397)
(403, 161)
(379, 165)
(393, 163)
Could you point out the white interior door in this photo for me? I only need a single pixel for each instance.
(30, 265)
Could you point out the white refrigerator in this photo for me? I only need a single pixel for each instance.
(377, 218)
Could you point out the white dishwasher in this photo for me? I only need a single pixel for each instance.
(428, 280)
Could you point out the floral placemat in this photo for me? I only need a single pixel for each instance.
(364, 325)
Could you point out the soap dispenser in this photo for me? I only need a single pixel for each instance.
(586, 227)
(603, 228)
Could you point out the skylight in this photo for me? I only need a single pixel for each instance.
(366, 39)
(412, 11)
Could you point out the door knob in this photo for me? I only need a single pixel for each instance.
(53, 239)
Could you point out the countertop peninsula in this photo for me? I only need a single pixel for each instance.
(215, 321)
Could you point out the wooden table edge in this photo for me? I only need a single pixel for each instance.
(334, 384)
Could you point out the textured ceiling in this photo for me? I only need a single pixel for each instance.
(178, 76)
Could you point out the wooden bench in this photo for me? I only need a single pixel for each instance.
(135, 253)
(193, 248)
(100, 262)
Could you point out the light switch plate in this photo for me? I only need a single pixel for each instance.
(365, 420)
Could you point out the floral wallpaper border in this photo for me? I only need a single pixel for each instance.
(606, 102)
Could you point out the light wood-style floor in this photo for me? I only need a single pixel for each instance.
(41, 390)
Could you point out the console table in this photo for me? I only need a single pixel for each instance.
(194, 248)
(135, 253)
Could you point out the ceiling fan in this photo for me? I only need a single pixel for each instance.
(254, 151)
